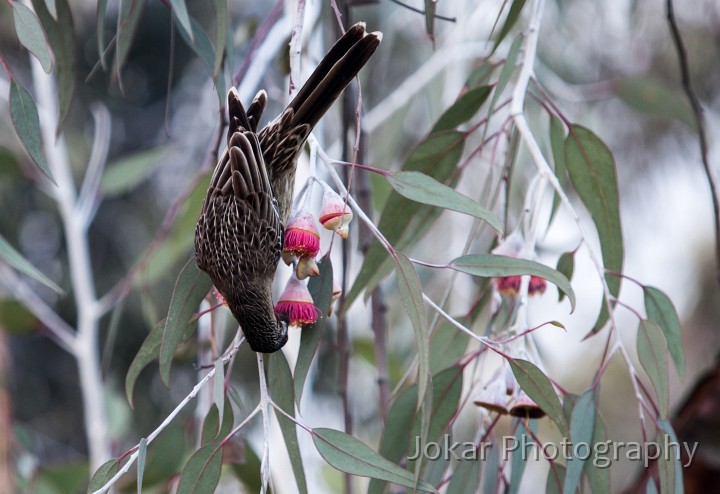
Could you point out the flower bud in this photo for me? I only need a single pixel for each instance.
(537, 285)
(335, 214)
(492, 397)
(296, 304)
(306, 267)
(524, 406)
(508, 285)
(302, 238)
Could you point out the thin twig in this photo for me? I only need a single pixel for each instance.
(699, 122)
(154, 434)
(265, 409)
(420, 11)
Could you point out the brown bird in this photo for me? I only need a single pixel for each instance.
(238, 237)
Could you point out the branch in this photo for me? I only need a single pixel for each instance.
(86, 350)
(61, 331)
(699, 122)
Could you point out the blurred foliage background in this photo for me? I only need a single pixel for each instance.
(610, 66)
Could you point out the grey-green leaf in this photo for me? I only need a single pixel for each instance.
(181, 12)
(60, 32)
(128, 172)
(320, 288)
(582, 423)
(201, 45)
(404, 222)
(201, 473)
(142, 453)
(669, 466)
(422, 188)
(566, 266)
(510, 20)
(191, 287)
(149, 351)
(494, 266)
(52, 8)
(100, 22)
(281, 389)
(411, 295)
(128, 19)
(31, 35)
(652, 352)
(591, 167)
(463, 109)
(538, 387)
(660, 310)
(350, 455)
(219, 388)
(27, 124)
(103, 474)
(653, 98)
(221, 30)
(17, 261)
(557, 144)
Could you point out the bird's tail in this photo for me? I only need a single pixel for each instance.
(336, 70)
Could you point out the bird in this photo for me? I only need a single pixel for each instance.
(239, 233)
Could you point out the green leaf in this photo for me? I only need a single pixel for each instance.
(411, 295)
(60, 33)
(103, 474)
(592, 171)
(27, 124)
(538, 387)
(491, 471)
(349, 455)
(597, 467)
(566, 266)
(52, 8)
(510, 20)
(396, 434)
(176, 246)
(463, 109)
(221, 31)
(430, 7)
(661, 311)
(100, 22)
(201, 45)
(249, 472)
(219, 388)
(127, 173)
(557, 144)
(320, 288)
(149, 351)
(404, 222)
(582, 423)
(202, 471)
(142, 453)
(507, 71)
(653, 98)
(419, 187)
(555, 479)
(446, 390)
(495, 266)
(128, 19)
(447, 345)
(398, 437)
(465, 478)
(652, 352)
(191, 287)
(214, 428)
(31, 35)
(519, 458)
(281, 389)
(17, 261)
(669, 466)
(181, 13)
